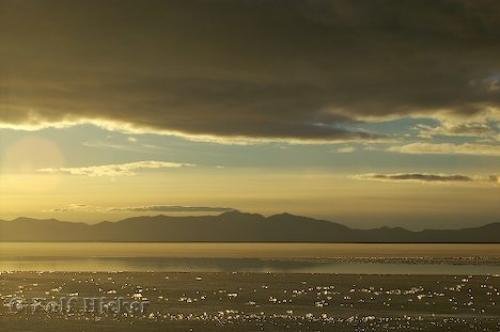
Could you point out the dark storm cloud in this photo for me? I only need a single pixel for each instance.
(261, 69)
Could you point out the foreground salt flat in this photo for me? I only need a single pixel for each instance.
(259, 301)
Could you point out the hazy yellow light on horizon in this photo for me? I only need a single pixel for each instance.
(30, 153)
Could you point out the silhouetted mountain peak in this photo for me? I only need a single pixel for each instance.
(232, 226)
(236, 215)
(287, 216)
(144, 219)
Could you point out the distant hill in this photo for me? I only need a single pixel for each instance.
(231, 226)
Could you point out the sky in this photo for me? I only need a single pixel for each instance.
(366, 113)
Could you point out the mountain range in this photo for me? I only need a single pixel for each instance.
(233, 226)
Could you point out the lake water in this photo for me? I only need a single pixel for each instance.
(253, 257)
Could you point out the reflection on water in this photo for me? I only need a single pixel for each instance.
(253, 257)
(246, 250)
(234, 264)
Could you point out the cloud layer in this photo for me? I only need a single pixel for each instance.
(127, 169)
(297, 70)
(426, 177)
(143, 208)
(448, 148)
(418, 177)
(170, 208)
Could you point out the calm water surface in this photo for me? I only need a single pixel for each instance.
(250, 257)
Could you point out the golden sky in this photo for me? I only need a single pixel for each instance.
(351, 112)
